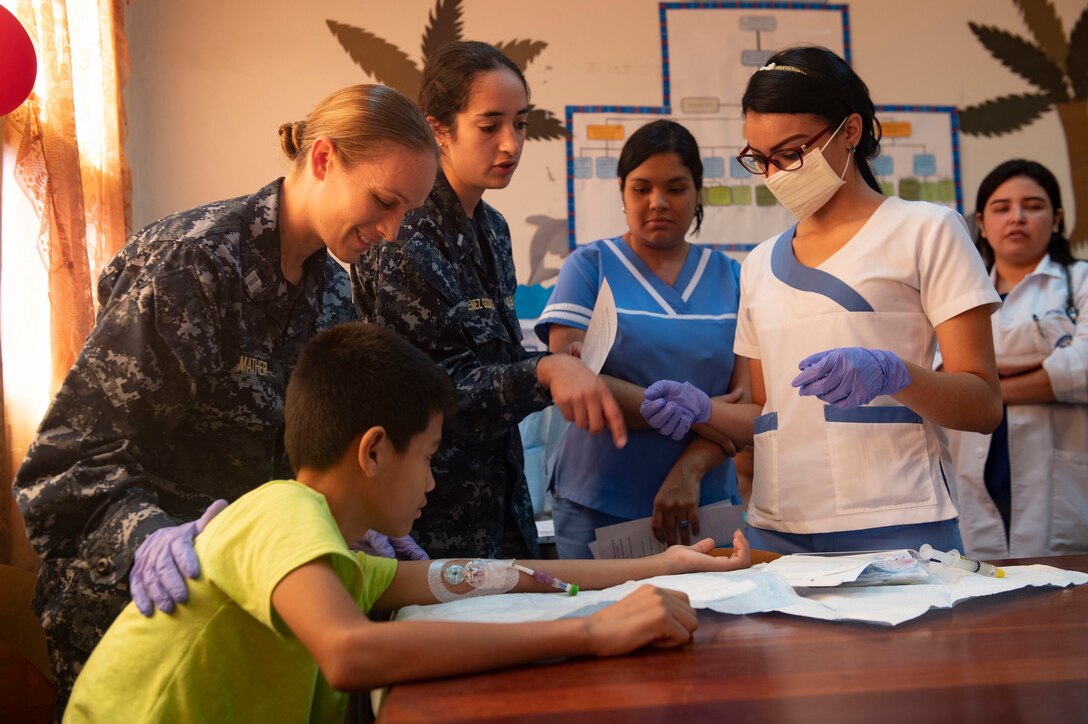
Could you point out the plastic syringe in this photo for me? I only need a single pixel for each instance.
(953, 559)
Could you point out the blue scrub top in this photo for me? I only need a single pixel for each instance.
(681, 332)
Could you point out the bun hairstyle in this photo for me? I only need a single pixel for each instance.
(449, 74)
(359, 120)
(291, 135)
(814, 81)
(664, 136)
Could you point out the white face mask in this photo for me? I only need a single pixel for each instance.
(804, 192)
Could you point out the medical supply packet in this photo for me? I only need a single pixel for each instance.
(865, 568)
(757, 589)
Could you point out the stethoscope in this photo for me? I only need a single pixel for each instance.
(1071, 312)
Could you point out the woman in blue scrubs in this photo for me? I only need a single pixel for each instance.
(677, 315)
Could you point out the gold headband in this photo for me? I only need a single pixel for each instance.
(790, 68)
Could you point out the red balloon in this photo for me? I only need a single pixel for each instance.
(18, 64)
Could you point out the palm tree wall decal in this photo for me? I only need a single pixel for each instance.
(1058, 67)
(390, 65)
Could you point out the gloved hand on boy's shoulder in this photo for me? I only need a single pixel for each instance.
(164, 560)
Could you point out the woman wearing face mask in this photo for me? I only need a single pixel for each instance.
(837, 318)
(1024, 490)
(177, 397)
(449, 289)
(677, 309)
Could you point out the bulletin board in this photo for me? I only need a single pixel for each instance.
(708, 52)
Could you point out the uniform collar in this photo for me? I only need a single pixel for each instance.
(1045, 267)
(1049, 267)
(461, 240)
(262, 276)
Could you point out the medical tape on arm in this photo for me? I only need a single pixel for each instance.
(453, 578)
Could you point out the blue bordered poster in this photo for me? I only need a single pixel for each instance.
(708, 51)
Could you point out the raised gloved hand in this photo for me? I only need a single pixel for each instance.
(402, 548)
(672, 407)
(851, 376)
(164, 560)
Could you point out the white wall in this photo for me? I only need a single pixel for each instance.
(212, 80)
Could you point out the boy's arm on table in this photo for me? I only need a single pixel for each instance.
(356, 653)
(410, 586)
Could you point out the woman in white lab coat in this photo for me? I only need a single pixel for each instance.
(849, 454)
(1023, 491)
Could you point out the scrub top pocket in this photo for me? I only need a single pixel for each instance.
(765, 494)
(864, 440)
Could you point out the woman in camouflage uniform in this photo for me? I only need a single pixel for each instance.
(177, 397)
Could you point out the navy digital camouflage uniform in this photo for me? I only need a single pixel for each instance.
(175, 400)
(452, 295)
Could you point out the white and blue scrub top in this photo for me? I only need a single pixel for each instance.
(820, 469)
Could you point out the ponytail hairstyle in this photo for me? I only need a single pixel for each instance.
(359, 120)
(814, 81)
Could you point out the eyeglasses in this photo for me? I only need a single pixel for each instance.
(787, 159)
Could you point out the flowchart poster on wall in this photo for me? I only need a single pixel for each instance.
(919, 154)
(709, 51)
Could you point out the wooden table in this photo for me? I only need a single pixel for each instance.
(1014, 657)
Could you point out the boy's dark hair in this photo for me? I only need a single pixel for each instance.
(826, 87)
(450, 72)
(1058, 247)
(353, 377)
(664, 136)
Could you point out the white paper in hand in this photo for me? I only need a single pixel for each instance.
(601, 334)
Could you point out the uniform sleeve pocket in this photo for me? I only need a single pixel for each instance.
(187, 321)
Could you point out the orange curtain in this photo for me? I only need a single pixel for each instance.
(71, 201)
(71, 162)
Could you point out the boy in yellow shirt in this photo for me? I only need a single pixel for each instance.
(276, 626)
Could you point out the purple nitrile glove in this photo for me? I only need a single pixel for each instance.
(672, 408)
(402, 548)
(851, 376)
(164, 560)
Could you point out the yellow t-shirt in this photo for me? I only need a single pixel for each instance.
(226, 656)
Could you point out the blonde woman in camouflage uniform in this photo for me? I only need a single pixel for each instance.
(177, 397)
